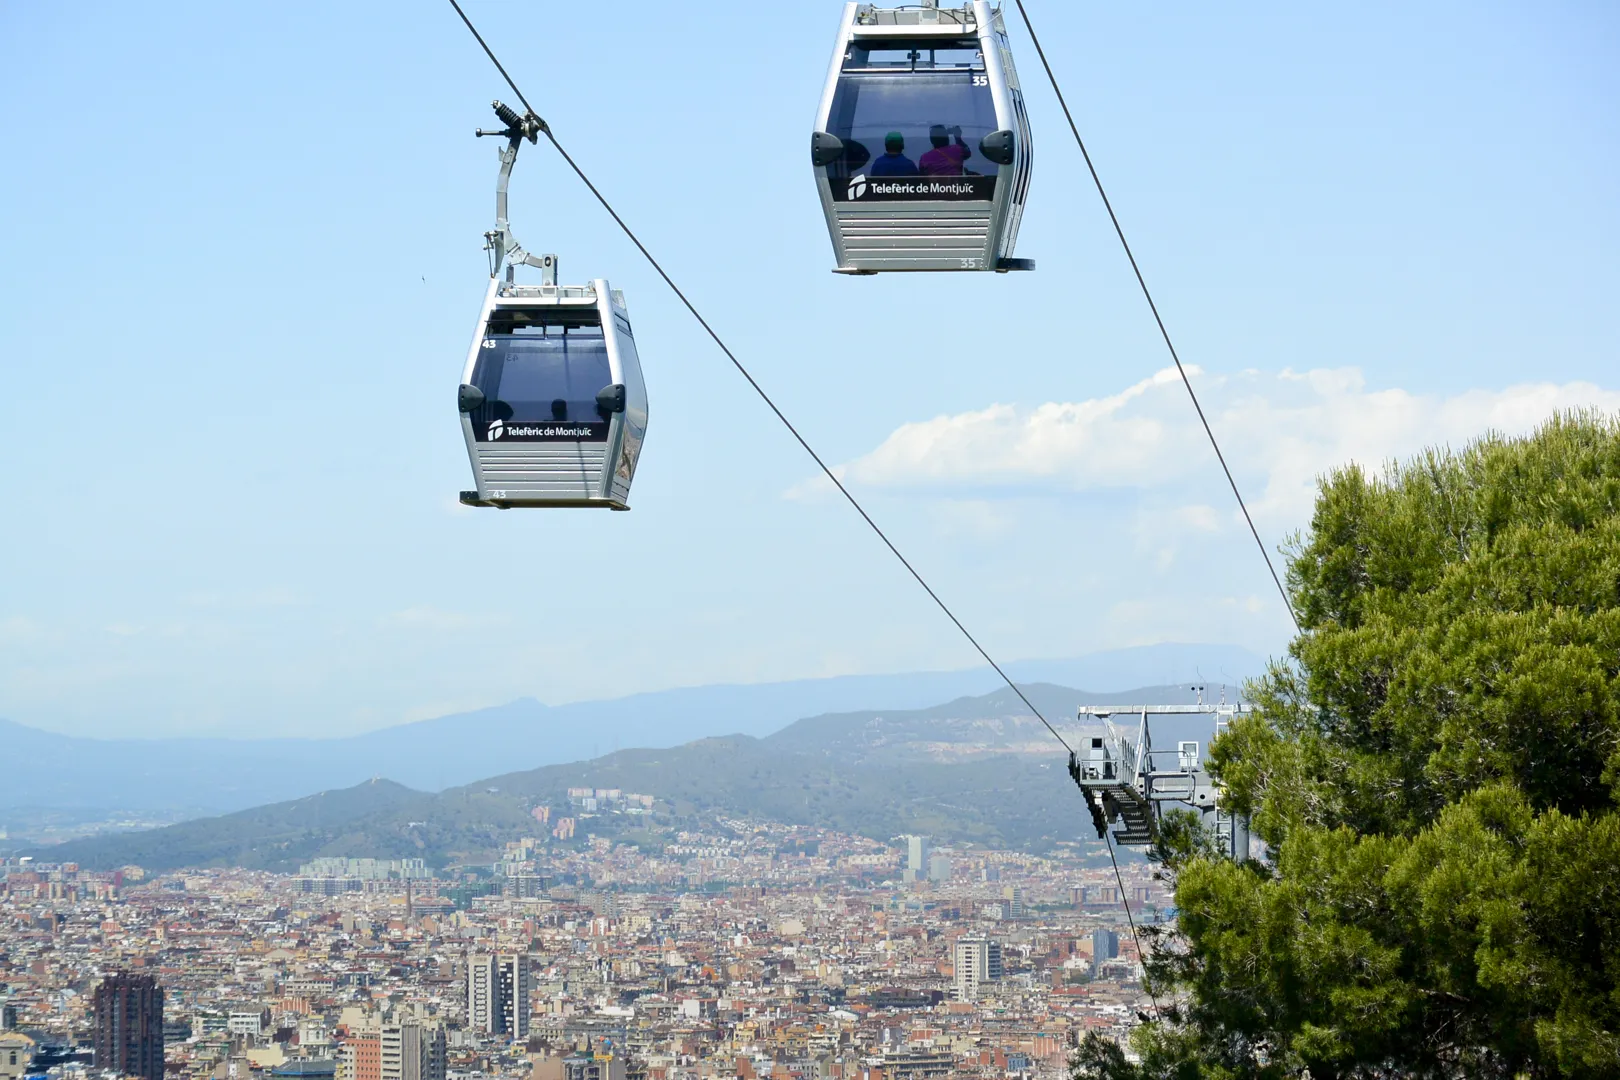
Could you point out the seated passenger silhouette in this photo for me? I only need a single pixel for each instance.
(559, 409)
(946, 158)
(894, 161)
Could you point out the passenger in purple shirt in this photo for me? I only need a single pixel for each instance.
(946, 158)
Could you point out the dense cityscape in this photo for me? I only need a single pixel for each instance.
(747, 950)
(1150, 615)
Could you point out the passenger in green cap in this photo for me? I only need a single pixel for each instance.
(894, 161)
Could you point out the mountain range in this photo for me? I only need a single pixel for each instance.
(193, 777)
(980, 769)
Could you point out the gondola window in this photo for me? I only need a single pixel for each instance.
(910, 116)
(542, 376)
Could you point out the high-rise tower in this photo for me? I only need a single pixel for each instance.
(129, 1026)
(978, 961)
(512, 972)
(498, 994)
(917, 855)
(483, 994)
(413, 1048)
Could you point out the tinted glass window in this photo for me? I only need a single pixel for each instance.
(541, 373)
(913, 55)
(912, 121)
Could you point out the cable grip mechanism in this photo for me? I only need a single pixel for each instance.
(504, 250)
(527, 126)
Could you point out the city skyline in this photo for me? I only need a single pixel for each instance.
(1195, 654)
(622, 965)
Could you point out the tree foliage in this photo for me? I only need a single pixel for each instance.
(1436, 775)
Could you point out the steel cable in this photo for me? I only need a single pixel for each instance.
(1124, 902)
(828, 472)
(758, 389)
(1157, 318)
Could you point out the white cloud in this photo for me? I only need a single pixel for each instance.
(1280, 432)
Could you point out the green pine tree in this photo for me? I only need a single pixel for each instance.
(1436, 775)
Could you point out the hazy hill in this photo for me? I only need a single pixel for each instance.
(210, 776)
(283, 834)
(972, 727)
(976, 769)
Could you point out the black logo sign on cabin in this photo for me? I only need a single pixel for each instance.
(914, 189)
(543, 431)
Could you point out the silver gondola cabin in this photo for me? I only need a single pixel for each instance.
(553, 406)
(922, 147)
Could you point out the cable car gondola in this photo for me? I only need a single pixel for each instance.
(553, 406)
(922, 148)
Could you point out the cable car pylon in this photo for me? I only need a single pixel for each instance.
(1126, 782)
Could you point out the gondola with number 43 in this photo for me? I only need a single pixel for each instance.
(552, 402)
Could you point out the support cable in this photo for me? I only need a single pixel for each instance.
(758, 389)
(1163, 330)
(848, 496)
(1124, 902)
(492, 59)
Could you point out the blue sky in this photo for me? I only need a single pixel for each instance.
(240, 260)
